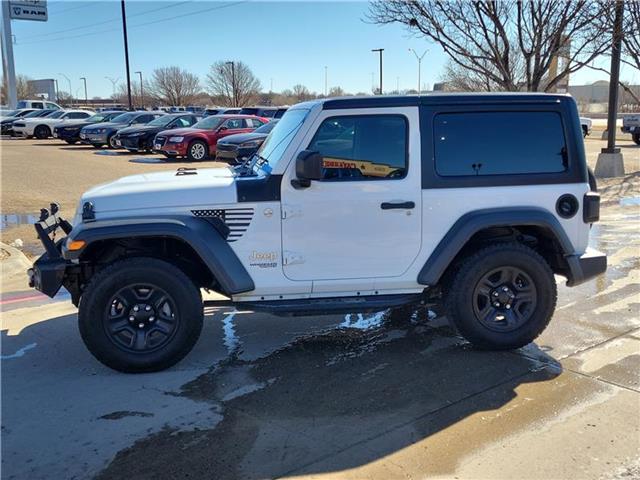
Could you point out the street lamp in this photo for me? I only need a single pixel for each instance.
(419, 57)
(126, 50)
(233, 82)
(141, 91)
(70, 89)
(86, 97)
(379, 50)
(57, 90)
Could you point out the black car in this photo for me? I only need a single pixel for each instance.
(6, 124)
(264, 112)
(70, 132)
(105, 133)
(140, 137)
(237, 148)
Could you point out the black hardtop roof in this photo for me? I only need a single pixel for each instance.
(448, 98)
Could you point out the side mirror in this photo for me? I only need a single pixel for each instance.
(222, 128)
(308, 167)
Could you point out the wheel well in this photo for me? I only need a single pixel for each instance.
(173, 250)
(542, 240)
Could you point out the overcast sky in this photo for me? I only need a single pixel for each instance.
(283, 42)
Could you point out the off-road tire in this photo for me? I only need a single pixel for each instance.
(96, 307)
(41, 132)
(460, 295)
(193, 144)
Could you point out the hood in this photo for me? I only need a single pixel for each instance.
(78, 124)
(181, 131)
(137, 129)
(243, 137)
(107, 125)
(163, 192)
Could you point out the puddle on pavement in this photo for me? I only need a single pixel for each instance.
(147, 160)
(630, 201)
(14, 219)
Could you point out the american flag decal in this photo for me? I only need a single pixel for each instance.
(237, 219)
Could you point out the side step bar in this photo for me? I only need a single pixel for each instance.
(323, 306)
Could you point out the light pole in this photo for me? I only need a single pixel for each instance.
(86, 97)
(610, 161)
(126, 51)
(379, 50)
(57, 90)
(113, 83)
(70, 90)
(325, 80)
(233, 82)
(419, 57)
(141, 91)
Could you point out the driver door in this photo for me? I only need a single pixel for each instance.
(363, 219)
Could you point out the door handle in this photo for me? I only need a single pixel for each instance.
(397, 205)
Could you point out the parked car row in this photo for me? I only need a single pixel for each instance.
(229, 135)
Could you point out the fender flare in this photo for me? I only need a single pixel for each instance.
(203, 237)
(472, 222)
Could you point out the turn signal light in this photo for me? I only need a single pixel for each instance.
(76, 245)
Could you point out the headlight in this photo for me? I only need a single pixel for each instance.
(99, 130)
(252, 143)
(176, 139)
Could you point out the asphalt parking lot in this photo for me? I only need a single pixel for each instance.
(350, 397)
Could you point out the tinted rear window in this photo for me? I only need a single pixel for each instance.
(499, 143)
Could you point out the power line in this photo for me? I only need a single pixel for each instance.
(104, 22)
(168, 19)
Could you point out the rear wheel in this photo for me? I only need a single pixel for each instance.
(502, 297)
(42, 131)
(197, 151)
(585, 131)
(140, 315)
(636, 138)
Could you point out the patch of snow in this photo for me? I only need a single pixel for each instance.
(231, 340)
(19, 353)
(17, 243)
(362, 322)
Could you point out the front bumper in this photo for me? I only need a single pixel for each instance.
(131, 143)
(178, 149)
(94, 138)
(586, 266)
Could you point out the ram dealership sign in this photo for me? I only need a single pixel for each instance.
(28, 10)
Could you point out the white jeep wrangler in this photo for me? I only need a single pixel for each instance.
(350, 205)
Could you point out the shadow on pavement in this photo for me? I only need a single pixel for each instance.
(333, 401)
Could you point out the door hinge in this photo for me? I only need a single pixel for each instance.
(291, 258)
(289, 211)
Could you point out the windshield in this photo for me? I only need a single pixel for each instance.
(278, 141)
(124, 118)
(56, 114)
(266, 128)
(37, 113)
(209, 123)
(97, 118)
(162, 121)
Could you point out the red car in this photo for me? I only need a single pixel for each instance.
(198, 141)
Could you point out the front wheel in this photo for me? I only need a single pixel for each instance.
(41, 132)
(198, 150)
(140, 315)
(71, 142)
(636, 138)
(112, 141)
(502, 297)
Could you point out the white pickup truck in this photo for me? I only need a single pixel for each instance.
(631, 124)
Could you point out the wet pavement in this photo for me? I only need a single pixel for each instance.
(349, 397)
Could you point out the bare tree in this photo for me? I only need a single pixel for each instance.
(24, 88)
(171, 86)
(301, 93)
(511, 45)
(631, 39)
(336, 92)
(234, 82)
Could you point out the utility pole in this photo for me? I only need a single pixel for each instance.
(610, 161)
(380, 50)
(113, 83)
(126, 51)
(233, 82)
(8, 65)
(86, 97)
(141, 91)
(57, 90)
(325, 80)
(419, 58)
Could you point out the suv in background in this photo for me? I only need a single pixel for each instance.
(631, 124)
(351, 205)
(265, 112)
(220, 111)
(38, 104)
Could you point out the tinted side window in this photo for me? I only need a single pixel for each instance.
(499, 143)
(234, 123)
(37, 105)
(268, 113)
(363, 147)
(254, 123)
(183, 122)
(75, 115)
